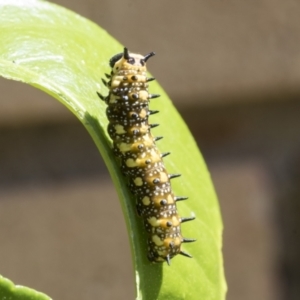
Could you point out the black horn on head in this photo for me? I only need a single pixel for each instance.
(126, 53)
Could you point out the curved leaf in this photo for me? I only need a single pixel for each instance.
(16, 292)
(65, 55)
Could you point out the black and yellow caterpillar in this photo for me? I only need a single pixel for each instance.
(140, 160)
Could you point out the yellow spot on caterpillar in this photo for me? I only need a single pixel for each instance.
(144, 128)
(155, 156)
(157, 241)
(170, 199)
(120, 129)
(143, 113)
(175, 221)
(163, 177)
(115, 82)
(138, 181)
(177, 241)
(124, 147)
(153, 221)
(131, 163)
(143, 95)
(148, 141)
(162, 253)
(146, 200)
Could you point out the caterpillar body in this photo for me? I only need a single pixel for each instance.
(140, 160)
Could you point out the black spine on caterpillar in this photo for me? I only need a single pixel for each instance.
(141, 161)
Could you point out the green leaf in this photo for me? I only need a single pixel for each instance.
(65, 55)
(10, 291)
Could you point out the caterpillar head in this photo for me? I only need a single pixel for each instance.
(129, 61)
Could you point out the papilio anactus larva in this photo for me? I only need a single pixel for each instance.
(140, 160)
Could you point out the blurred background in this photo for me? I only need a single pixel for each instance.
(232, 69)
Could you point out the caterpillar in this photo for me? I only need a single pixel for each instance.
(140, 160)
